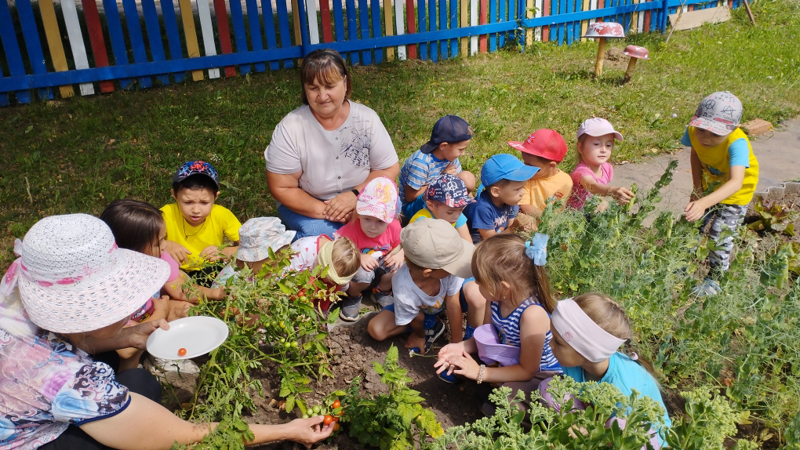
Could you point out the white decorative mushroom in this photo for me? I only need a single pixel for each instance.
(601, 31)
(635, 53)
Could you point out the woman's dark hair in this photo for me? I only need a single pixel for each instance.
(196, 181)
(135, 225)
(328, 67)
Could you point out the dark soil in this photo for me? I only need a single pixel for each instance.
(353, 352)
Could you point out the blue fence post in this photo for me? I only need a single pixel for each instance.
(135, 35)
(352, 28)
(173, 38)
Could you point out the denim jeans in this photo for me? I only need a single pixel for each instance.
(306, 226)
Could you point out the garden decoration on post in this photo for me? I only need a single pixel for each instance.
(635, 53)
(603, 31)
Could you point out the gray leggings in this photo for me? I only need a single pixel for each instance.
(723, 217)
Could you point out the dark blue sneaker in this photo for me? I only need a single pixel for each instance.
(452, 378)
(431, 335)
(350, 308)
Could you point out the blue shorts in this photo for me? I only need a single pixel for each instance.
(430, 319)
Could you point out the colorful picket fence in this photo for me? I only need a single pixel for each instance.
(271, 34)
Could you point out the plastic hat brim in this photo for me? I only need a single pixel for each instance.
(523, 173)
(617, 134)
(462, 266)
(100, 300)
(428, 147)
(718, 128)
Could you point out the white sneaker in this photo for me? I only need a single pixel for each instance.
(162, 365)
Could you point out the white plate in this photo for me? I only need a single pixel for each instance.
(198, 335)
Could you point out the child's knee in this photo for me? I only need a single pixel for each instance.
(378, 326)
(468, 178)
(472, 295)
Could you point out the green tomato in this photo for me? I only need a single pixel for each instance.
(287, 345)
(305, 416)
(294, 344)
(316, 409)
(283, 340)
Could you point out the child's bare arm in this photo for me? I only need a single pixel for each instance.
(175, 290)
(454, 316)
(695, 210)
(411, 194)
(463, 231)
(621, 194)
(486, 234)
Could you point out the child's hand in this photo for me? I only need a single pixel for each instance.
(394, 261)
(621, 194)
(178, 252)
(695, 210)
(210, 253)
(369, 263)
(161, 305)
(451, 169)
(415, 341)
(448, 351)
(464, 365)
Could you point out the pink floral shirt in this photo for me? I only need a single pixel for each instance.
(46, 384)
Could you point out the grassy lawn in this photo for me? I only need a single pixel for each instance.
(77, 155)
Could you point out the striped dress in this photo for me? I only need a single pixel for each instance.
(508, 328)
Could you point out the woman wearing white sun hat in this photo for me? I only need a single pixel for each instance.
(71, 291)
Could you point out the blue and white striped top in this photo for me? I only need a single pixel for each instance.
(508, 329)
(421, 169)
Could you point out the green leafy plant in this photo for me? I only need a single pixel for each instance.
(229, 434)
(388, 421)
(708, 421)
(774, 217)
(272, 317)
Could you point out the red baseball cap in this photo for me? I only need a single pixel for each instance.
(547, 144)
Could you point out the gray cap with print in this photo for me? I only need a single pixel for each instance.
(719, 113)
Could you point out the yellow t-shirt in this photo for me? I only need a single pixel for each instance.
(425, 213)
(717, 166)
(220, 222)
(539, 190)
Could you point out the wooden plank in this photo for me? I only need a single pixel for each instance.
(562, 29)
(546, 5)
(210, 47)
(398, 20)
(422, 12)
(16, 67)
(136, 39)
(239, 34)
(33, 46)
(454, 21)
(256, 38)
(433, 25)
(388, 19)
(492, 18)
(173, 38)
(189, 31)
(221, 14)
(338, 21)
(97, 40)
(154, 35)
(694, 19)
(444, 44)
(325, 17)
(483, 18)
(375, 9)
(352, 29)
(311, 18)
(501, 17)
(363, 18)
(283, 28)
(412, 49)
(269, 28)
(647, 21)
(53, 36)
(301, 13)
(569, 26)
(474, 13)
(298, 32)
(587, 6)
(435, 20)
(76, 43)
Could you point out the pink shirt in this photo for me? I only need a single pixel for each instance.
(384, 243)
(579, 193)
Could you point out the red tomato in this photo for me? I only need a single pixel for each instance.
(335, 427)
(328, 419)
(182, 352)
(335, 419)
(336, 404)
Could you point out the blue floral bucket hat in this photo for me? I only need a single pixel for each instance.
(190, 168)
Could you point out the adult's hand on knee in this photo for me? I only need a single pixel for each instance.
(339, 208)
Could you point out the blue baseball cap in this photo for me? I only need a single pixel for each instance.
(505, 167)
(190, 168)
(450, 129)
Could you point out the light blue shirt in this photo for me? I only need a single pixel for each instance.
(421, 169)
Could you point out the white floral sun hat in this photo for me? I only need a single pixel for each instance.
(260, 234)
(72, 278)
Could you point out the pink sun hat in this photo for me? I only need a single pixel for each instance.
(73, 278)
(378, 199)
(598, 127)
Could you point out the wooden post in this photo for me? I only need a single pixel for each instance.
(601, 53)
(631, 68)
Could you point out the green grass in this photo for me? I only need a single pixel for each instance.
(79, 154)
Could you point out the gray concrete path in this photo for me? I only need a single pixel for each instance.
(778, 154)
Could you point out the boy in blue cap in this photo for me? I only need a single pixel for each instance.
(450, 137)
(496, 209)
